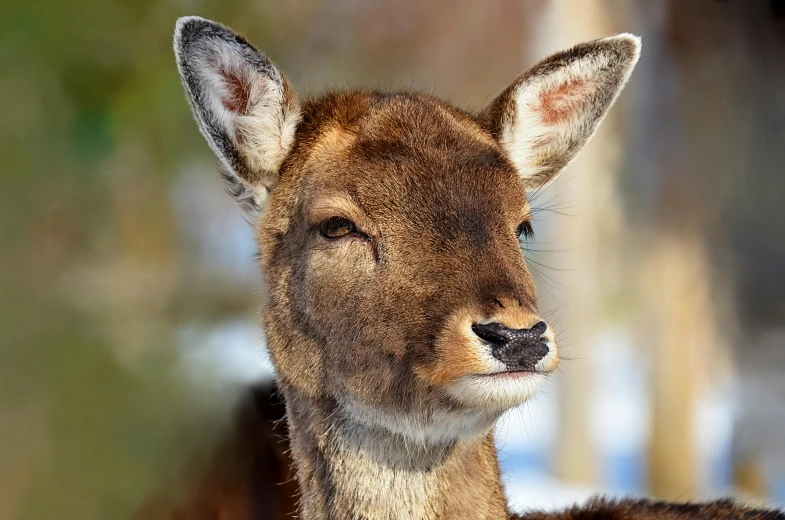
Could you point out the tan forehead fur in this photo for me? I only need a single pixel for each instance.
(335, 122)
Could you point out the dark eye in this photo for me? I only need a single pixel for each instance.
(337, 227)
(525, 230)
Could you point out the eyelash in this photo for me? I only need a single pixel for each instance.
(525, 230)
(335, 228)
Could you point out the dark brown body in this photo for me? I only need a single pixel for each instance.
(640, 509)
(249, 475)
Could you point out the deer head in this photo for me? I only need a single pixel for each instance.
(390, 226)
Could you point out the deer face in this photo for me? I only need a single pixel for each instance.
(390, 238)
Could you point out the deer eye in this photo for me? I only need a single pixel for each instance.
(337, 227)
(525, 230)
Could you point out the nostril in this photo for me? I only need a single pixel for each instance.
(494, 333)
(499, 334)
(540, 328)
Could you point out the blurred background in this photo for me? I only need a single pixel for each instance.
(129, 295)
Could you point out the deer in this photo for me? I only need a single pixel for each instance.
(399, 312)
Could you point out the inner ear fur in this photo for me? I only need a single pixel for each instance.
(551, 111)
(244, 106)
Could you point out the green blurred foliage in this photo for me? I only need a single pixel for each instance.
(85, 431)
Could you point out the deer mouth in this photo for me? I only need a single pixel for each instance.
(507, 374)
(502, 384)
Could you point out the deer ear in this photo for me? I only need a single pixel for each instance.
(244, 106)
(549, 113)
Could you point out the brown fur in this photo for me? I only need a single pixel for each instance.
(248, 478)
(476, 188)
(391, 393)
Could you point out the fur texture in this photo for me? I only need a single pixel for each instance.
(391, 396)
(642, 509)
(549, 113)
(244, 106)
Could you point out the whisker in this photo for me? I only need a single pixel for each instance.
(559, 269)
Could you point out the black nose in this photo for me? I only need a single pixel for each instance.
(518, 349)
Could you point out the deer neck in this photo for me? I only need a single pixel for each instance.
(347, 470)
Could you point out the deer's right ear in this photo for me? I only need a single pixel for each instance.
(550, 112)
(244, 106)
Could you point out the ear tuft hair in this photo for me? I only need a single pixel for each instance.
(244, 106)
(550, 112)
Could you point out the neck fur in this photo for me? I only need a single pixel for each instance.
(347, 470)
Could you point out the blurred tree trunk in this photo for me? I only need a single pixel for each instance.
(680, 324)
(701, 102)
(591, 237)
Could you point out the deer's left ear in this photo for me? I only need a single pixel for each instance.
(243, 105)
(549, 113)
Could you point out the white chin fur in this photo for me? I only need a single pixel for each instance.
(436, 427)
(500, 392)
(487, 397)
